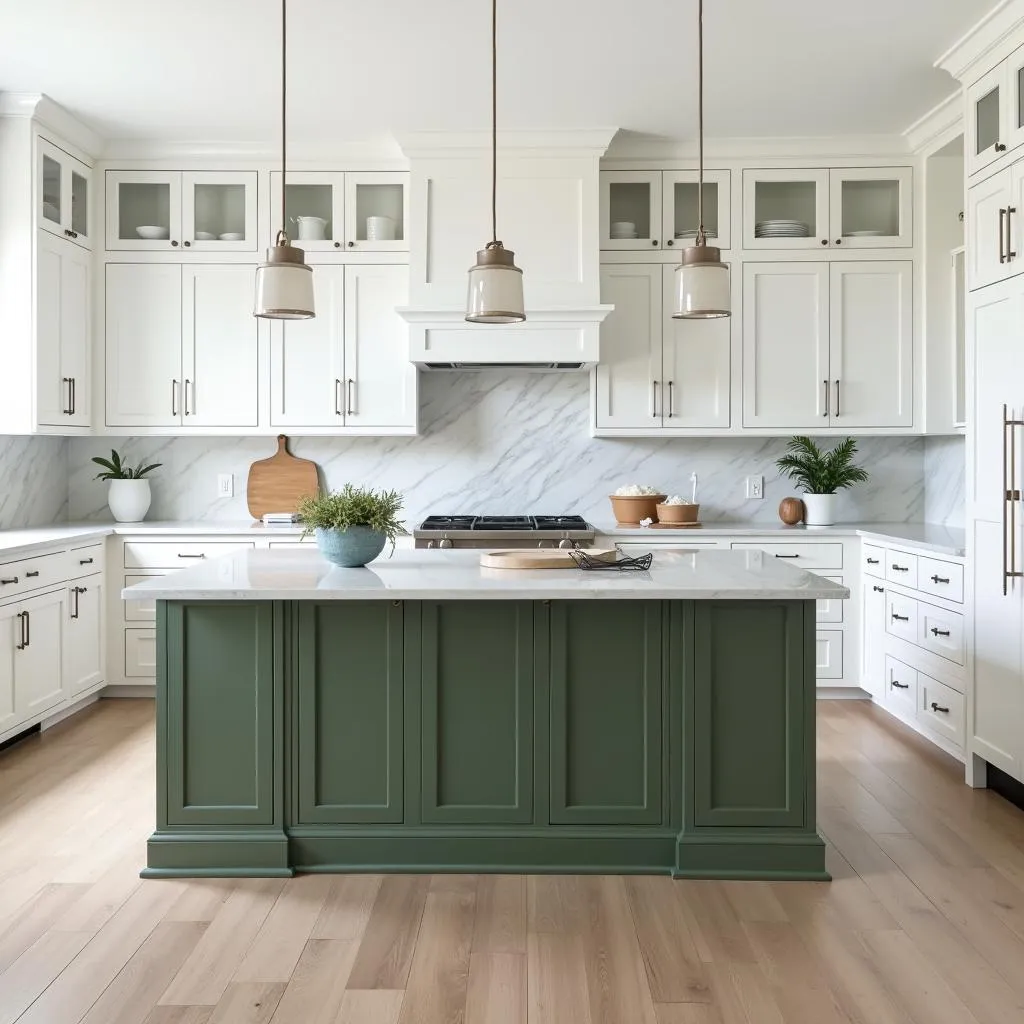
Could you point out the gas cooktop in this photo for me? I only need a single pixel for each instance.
(495, 523)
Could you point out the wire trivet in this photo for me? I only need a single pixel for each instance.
(586, 561)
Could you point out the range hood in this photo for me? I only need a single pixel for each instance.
(561, 339)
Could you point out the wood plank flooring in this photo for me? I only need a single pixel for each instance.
(923, 923)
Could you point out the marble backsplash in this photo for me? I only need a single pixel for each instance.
(33, 481)
(945, 480)
(501, 443)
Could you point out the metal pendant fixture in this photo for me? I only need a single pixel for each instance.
(702, 279)
(284, 283)
(495, 282)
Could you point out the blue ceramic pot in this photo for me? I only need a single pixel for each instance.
(352, 547)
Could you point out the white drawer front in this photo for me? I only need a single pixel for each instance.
(901, 568)
(873, 560)
(831, 609)
(940, 709)
(941, 632)
(900, 686)
(943, 579)
(140, 611)
(32, 573)
(176, 554)
(829, 654)
(139, 653)
(86, 560)
(802, 554)
(901, 617)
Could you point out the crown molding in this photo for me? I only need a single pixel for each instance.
(565, 142)
(635, 146)
(376, 154)
(40, 108)
(985, 43)
(944, 121)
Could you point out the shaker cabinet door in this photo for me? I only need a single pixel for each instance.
(37, 674)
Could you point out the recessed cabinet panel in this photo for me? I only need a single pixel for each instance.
(987, 127)
(872, 676)
(38, 669)
(631, 212)
(51, 194)
(10, 637)
(144, 210)
(84, 643)
(990, 118)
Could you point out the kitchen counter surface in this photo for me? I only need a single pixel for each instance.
(946, 540)
(452, 575)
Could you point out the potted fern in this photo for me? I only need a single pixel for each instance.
(352, 525)
(821, 474)
(128, 495)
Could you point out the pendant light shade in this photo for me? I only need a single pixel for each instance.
(702, 289)
(284, 284)
(495, 282)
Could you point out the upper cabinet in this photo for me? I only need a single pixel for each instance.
(995, 113)
(349, 212)
(657, 210)
(182, 211)
(852, 208)
(63, 193)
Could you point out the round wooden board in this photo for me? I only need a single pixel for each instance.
(539, 558)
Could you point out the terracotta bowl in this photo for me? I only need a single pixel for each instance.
(628, 511)
(678, 513)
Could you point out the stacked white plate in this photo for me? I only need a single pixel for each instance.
(781, 229)
(865, 234)
(692, 233)
(632, 234)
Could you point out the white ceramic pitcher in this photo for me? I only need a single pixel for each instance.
(311, 229)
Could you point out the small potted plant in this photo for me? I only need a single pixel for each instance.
(352, 525)
(821, 474)
(128, 495)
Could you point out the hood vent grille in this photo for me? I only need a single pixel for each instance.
(502, 366)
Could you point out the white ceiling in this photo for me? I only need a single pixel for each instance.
(207, 70)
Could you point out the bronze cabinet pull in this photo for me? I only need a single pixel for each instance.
(1010, 254)
(31, 575)
(350, 394)
(85, 561)
(900, 618)
(837, 398)
(901, 568)
(671, 402)
(187, 382)
(940, 579)
(939, 632)
(337, 397)
(24, 643)
(174, 397)
(900, 686)
(938, 707)
(824, 384)
(69, 410)
(1002, 234)
(9, 579)
(180, 555)
(787, 556)
(872, 561)
(654, 399)
(877, 589)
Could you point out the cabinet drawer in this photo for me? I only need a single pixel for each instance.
(828, 658)
(901, 617)
(940, 709)
(85, 561)
(831, 609)
(140, 611)
(900, 686)
(943, 579)
(32, 573)
(873, 560)
(803, 555)
(901, 568)
(176, 554)
(941, 632)
(139, 653)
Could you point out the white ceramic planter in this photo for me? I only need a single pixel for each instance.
(129, 500)
(819, 509)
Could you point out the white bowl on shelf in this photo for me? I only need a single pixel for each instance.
(205, 236)
(152, 231)
(231, 236)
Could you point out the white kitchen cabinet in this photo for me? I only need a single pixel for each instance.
(829, 655)
(63, 194)
(10, 637)
(204, 211)
(993, 247)
(39, 626)
(995, 114)
(312, 196)
(799, 195)
(181, 345)
(85, 637)
(631, 210)
(873, 618)
(657, 373)
(679, 208)
(376, 206)
(63, 330)
(828, 345)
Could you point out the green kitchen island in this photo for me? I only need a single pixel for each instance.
(427, 714)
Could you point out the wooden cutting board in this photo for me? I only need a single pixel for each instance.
(279, 483)
(545, 558)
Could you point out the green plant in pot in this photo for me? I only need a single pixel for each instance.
(821, 474)
(128, 495)
(352, 525)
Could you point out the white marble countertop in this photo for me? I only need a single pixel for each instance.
(297, 575)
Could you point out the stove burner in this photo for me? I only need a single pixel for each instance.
(503, 523)
(528, 523)
(448, 523)
(560, 523)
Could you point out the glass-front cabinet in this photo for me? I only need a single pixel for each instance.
(62, 195)
(165, 211)
(631, 211)
(995, 113)
(314, 209)
(785, 209)
(871, 207)
(679, 192)
(376, 211)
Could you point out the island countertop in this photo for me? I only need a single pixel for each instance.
(257, 575)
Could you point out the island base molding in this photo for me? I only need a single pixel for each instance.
(586, 736)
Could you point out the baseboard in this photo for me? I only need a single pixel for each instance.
(131, 690)
(842, 693)
(71, 709)
(1006, 786)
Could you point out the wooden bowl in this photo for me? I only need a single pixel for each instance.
(791, 511)
(628, 511)
(678, 513)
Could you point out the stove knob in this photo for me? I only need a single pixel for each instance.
(444, 542)
(565, 543)
(431, 544)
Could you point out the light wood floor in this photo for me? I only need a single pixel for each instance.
(924, 920)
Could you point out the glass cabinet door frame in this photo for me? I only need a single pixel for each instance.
(69, 167)
(997, 78)
(335, 180)
(818, 177)
(172, 179)
(353, 179)
(245, 179)
(723, 181)
(903, 176)
(1013, 105)
(653, 180)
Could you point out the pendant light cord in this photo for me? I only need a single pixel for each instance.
(494, 124)
(701, 235)
(284, 114)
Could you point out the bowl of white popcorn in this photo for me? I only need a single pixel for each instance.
(677, 509)
(635, 502)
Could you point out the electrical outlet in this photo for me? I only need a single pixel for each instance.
(755, 487)
(225, 485)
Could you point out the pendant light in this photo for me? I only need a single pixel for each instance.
(284, 283)
(495, 282)
(702, 279)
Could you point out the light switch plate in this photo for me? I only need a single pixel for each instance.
(225, 485)
(755, 487)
